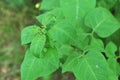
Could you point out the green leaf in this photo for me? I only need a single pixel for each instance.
(118, 69)
(106, 3)
(102, 22)
(83, 39)
(64, 50)
(37, 45)
(96, 44)
(28, 34)
(49, 4)
(62, 33)
(92, 66)
(50, 17)
(46, 18)
(110, 49)
(114, 65)
(33, 67)
(76, 9)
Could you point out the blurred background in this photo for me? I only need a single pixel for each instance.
(14, 16)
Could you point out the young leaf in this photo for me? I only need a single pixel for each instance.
(102, 22)
(45, 19)
(33, 67)
(110, 49)
(28, 34)
(92, 66)
(37, 45)
(62, 33)
(49, 4)
(50, 17)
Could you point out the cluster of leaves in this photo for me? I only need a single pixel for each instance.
(71, 37)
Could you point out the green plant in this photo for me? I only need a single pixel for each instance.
(72, 36)
(15, 3)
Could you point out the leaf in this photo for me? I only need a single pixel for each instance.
(110, 49)
(114, 65)
(33, 67)
(64, 50)
(118, 71)
(50, 17)
(102, 22)
(45, 19)
(28, 34)
(83, 39)
(92, 66)
(49, 4)
(76, 9)
(62, 33)
(37, 45)
(106, 3)
(96, 44)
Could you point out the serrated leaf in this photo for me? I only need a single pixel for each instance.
(102, 22)
(49, 4)
(110, 49)
(75, 10)
(92, 66)
(28, 34)
(37, 45)
(33, 67)
(63, 33)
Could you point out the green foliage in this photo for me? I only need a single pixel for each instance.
(85, 66)
(110, 49)
(107, 3)
(15, 3)
(71, 37)
(101, 21)
(38, 44)
(28, 33)
(34, 67)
